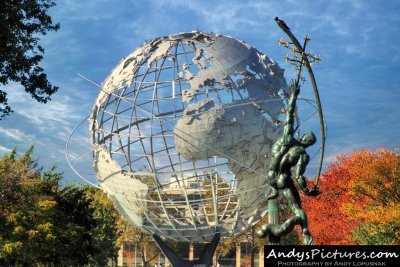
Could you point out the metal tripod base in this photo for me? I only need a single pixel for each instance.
(205, 259)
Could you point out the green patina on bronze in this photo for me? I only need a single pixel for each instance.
(289, 158)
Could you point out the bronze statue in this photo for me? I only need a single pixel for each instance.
(289, 158)
(289, 153)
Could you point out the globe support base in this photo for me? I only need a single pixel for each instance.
(205, 258)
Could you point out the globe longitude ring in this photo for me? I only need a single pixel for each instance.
(181, 132)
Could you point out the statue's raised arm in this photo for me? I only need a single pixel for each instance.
(291, 109)
(285, 142)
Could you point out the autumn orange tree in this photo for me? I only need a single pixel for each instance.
(360, 203)
(375, 197)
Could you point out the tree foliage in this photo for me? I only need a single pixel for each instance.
(21, 24)
(328, 223)
(104, 230)
(15, 174)
(375, 196)
(360, 203)
(42, 223)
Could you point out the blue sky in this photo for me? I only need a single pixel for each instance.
(358, 78)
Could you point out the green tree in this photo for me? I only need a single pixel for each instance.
(21, 24)
(42, 223)
(15, 174)
(104, 231)
(29, 216)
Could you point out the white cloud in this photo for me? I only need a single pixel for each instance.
(59, 113)
(224, 15)
(5, 149)
(14, 134)
(53, 112)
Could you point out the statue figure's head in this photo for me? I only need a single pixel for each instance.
(308, 139)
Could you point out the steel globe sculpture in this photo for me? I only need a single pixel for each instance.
(181, 133)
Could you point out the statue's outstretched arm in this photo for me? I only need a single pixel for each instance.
(299, 173)
(291, 109)
(301, 179)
